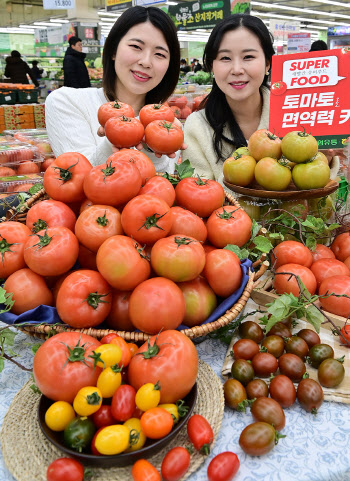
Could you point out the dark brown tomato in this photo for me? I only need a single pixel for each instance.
(268, 410)
(297, 345)
(251, 330)
(274, 345)
(257, 388)
(310, 395)
(264, 364)
(319, 352)
(243, 371)
(330, 373)
(292, 366)
(282, 390)
(245, 349)
(310, 337)
(234, 393)
(280, 329)
(257, 438)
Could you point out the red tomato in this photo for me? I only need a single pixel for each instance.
(169, 348)
(322, 252)
(223, 272)
(121, 262)
(156, 423)
(51, 252)
(152, 112)
(143, 470)
(187, 223)
(60, 373)
(29, 290)
(264, 364)
(185, 112)
(177, 111)
(159, 187)
(139, 159)
(13, 236)
(103, 417)
(197, 101)
(84, 299)
(175, 464)
(291, 252)
(63, 180)
(278, 88)
(157, 304)
(7, 172)
(124, 131)
(178, 258)
(324, 268)
(336, 305)
(126, 354)
(179, 102)
(229, 225)
(164, 137)
(341, 246)
(85, 205)
(87, 258)
(285, 283)
(146, 219)
(28, 167)
(19, 187)
(200, 433)
(119, 319)
(223, 467)
(108, 337)
(263, 143)
(345, 330)
(65, 469)
(112, 110)
(123, 403)
(50, 213)
(46, 164)
(112, 183)
(97, 224)
(200, 196)
(200, 301)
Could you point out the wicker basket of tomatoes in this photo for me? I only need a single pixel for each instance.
(143, 265)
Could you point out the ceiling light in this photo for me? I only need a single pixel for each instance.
(330, 2)
(109, 20)
(16, 30)
(32, 26)
(58, 20)
(108, 14)
(48, 24)
(293, 18)
(295, 9)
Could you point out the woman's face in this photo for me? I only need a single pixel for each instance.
(240, 65)
(141, 60)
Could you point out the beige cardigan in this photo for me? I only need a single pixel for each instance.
(199, 139)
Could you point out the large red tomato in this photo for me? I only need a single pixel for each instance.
(229, 225)
(112, 110)
(62, 366)
(341, 246)
(63, 180)
(152, 112)
(13, 236)
(96, 224)
(118, 318)
(157, 304)
(223, 272)
(322, 252)
(112, 183)
(200, 196)
(200, 301)
(29, 290)
(51, 252)
(187, 223)
(170, 348)
(286, 283)
(124, 131)
(324, 268)
(122, 263)
(160, 187)
(164, 137)
(139, 159)
(50, 213)
(290, 251)
(336, 285)
(84, 299)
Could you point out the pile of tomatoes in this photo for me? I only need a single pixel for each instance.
(281, 358)
(272, 163)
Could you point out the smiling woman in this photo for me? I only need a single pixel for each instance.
(141, 63)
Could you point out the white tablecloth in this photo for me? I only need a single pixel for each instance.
(315, 449)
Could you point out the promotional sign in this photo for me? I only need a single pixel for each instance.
(280, 29)
(298, 42)
(113, 5)
(58, 4)
(199, 14)
(309, 91)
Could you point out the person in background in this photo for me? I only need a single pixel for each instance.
(197, 66)
(184, 67)
(141, 64)
(239, 53)
(37, 72)
(17, 69)
(76, 74)
(318, 45)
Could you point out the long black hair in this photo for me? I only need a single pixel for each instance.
(217, 110)
(131, 17)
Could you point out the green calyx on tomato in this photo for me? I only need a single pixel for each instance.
(200, 181)
(39, 225)
(93, 399)
(44, 240)
(109, 170)
(103, 221)
(76, 354)
(226, 215)
(94, 299)
(183, 241)
(117, 105)
(116, 368)
(152, 220)
(5, 247)
(152, 351)
(141, 251)
(134, 437)
(182, 409)
(166, 125)
(65, 174)
(125, 119)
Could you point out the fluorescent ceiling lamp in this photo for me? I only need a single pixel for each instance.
(330, 2)
(16, 30)
(58, 20)
(48, 24)
(108, 20)
(296, 9)
(32, 26)
(292, 18)
(108, 14)
(171, 3)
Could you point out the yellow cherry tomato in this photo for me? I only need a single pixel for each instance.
(148, 396)
(137, 436)
(178, 410)
(59, 415)
(108, 355)
(87, 401)
(112, 439)
(109, 380)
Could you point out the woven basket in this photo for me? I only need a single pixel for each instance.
(45, 330)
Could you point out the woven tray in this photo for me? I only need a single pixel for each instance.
(27, 453)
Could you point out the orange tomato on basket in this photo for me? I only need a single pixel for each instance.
(164, 137)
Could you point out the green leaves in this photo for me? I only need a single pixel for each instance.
(6, 299)
(183, 171)
(7, 340)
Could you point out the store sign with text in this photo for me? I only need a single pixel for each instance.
(298, 42)
(113, 5)
(193, 15)
(281, 29)
(310, 91)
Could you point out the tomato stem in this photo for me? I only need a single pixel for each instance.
(93, 399)
(102, 221)
(76, 353)
(182, 409)
(227, 215)
(199, 181)
(44, 240)
(183, 241)
(94, 299)
(133, 437)
(39, 225)
(205, 449)
(65, 174)
(109, 170)
(5, 247)
(152, 220)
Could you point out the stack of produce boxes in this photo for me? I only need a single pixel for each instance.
(39, 116)
(22, 116)
(2, 119)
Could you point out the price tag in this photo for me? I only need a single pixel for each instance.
(8, 97)
(58, 4)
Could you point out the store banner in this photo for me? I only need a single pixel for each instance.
(309, 91)
(298, 42)
(280, 29)
(58, 4)
(113, 5)
(199, 14)
(40, 36)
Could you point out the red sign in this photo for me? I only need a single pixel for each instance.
(311, 91)
(89, 32)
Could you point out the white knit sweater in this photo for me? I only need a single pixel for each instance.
(71, 123)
